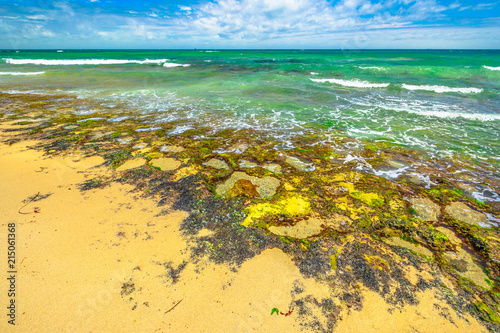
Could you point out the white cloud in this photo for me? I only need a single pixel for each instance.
(251, 23)
(36, 17)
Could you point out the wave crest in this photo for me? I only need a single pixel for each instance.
(492, 68)
(353, 83)
(171, 64)
(21, 73)
(73, 62)
(442, 89)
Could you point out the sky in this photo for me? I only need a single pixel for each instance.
(249, 24)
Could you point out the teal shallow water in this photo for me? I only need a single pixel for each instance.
(446, 103)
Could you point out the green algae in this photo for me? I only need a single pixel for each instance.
(487, 313)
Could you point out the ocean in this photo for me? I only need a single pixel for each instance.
(444, 104)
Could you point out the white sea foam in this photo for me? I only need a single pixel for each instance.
(171, 64)
(74, 62)
(353, 83)
(21, 73)
(372, 67)
(492, 68)
(441, 89)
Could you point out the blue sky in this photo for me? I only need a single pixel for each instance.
(250, 24)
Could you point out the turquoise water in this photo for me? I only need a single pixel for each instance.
(445, 103)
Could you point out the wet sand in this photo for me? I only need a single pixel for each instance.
(111, 260)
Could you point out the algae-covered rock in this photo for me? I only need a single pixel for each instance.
(217, 164)
(465, 265)
(452, 237)
(266, 186)
(425, 209)
(131, 164)
(292, 205)
(248, 164)
(369, 198)
(166, 163)
(276, 168)
(313, 226)
(299, 165)
(243, 187)
(396, 241)
(172, 149)
(464, 213)
(186, 172)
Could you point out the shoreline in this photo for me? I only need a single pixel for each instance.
(134, 233)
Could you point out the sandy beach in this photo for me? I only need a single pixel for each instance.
(110, 259)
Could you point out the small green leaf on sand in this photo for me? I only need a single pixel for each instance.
(275, 310)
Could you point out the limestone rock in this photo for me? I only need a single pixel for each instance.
(217, 164)
(396, 241)
(265, 187)
(465, 265)
(313, 226)
(166, 163)
(172, 149)
(425, 209)
(276, 168)
(299, 165)
(464, 213)
(243, 187)
(131, 164)
(452, 237)
(248, 164)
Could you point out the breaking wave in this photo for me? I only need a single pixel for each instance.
(353, 83)
(74, 62)
(442, 89)
(21, 73)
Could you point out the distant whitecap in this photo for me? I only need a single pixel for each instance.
(353, 83)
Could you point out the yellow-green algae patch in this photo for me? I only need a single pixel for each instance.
(369, 198)
(292, 205)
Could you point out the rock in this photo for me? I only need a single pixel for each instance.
(239, 148)
(464, 213)
(166, 163)
(397, 164)
(124, 141)
(396, 241)
(217, 164)
(243, 187)
(299, 165)
(465, 265)
(313, 226)
(131, 164)
(276, 168)
(265, 187)
(425, 209)
(186, 172)
(139, 146)
(452, 237)
(172, 149)
(415, 179)
(248, 164)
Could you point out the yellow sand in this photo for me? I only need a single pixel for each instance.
(75, 255)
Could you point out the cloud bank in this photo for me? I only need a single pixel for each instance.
(251, 24)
